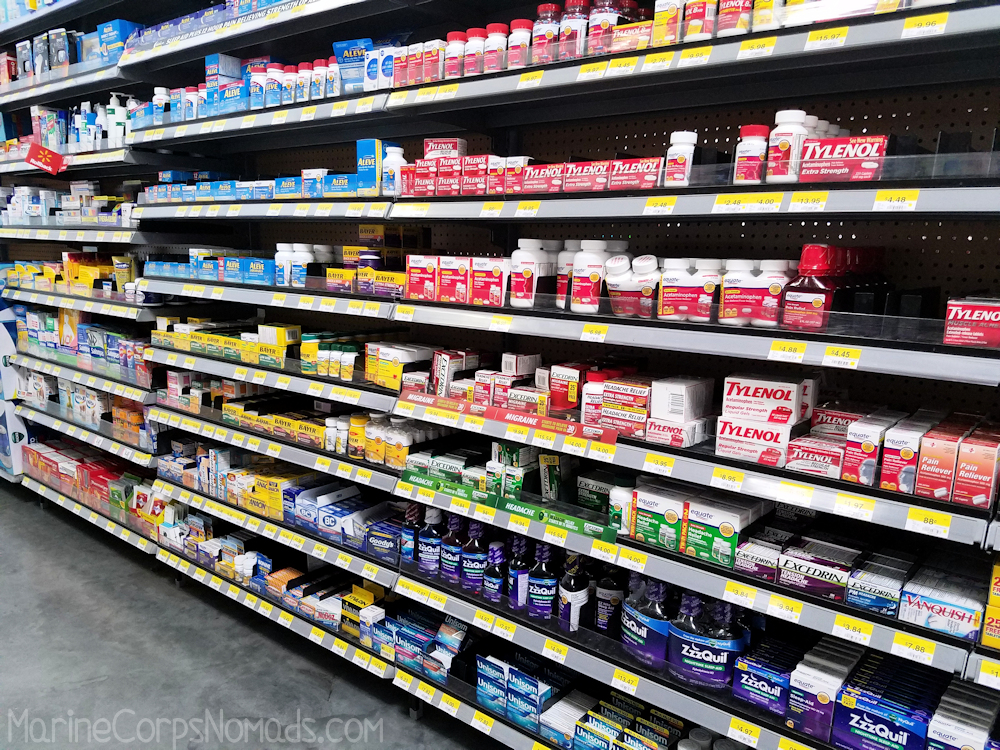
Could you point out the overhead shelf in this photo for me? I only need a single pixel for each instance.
(293, 383)
(60, 84)
(305, 628)
(984, 669)
(838, 620)
(99, 437)
(51, 16)
(95, 306)
(89, 379)
(847, 500)
(119, 162)
(88, 514)
(278, 210)
(342, 557)
(274, 448)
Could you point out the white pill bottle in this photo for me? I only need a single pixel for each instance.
(770, 285)
(283, 264)
(392, 164)
(527, 264)
(784, 148)
(678, 290)
(588, 277)
(736, 302)
(622, 288)
(680, 156)
(646, 277)
(707, 279)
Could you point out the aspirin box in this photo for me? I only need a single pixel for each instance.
(774, 400)
(758, 442)
(820, 456)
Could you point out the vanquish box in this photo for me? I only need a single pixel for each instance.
(751, 397)
(757, 442)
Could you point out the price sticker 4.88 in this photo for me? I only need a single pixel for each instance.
(787, 351)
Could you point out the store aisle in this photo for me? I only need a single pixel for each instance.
(93, 628)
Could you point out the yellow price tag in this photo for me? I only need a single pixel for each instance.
(437, 600)
(592, 71)
(517, 432)
(913, 648)
(602, 452)
(622, 66)
(896, 200)
(316, 635)
(278, 300)
(694, 56)
(369, 571)
(504, 629)
(727, 479)
(501, 323)
(396, 98)
(555, 651)
(787, 351)
(656, 62)
(594, 333)
(917, 27)
(527, 209)
(426, 94)
(743, 731)
(425, 692)
(754, 49)
(530, 80)
(555, 535)
(656, 463)
(808, 202)
(826, 39)
(343, 560)
(575, 446)
(989, 673)
(632, 559)
(483, 620)
(520, 524)
(473, 424)
(786, 744)
(485, 514)
(785, 609)
(426, 494)
(851, 629)
(625, 681)
(928, 522)
(449, 705)
(737, 593)
(604, 551)
(482, 722)
(663, 205)
(842, 357)
(283, 382)
(458, 505)
(447, 91)
(322, 464)
(852, 506)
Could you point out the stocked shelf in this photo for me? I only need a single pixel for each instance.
(274, 379)
(274, 448)
(50, 16)
(116, 235)
(342, 557)
(132, 537)
(101, 383)
(849, 501)
(61, 84)
(102, 437)
(290, 209)
(72, 302)
(295, 624)
(948, 655)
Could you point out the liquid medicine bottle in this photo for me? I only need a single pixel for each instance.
(542, 584)
(708, 279)
(519, 43)
(736, 303)
(680, 156)
(475, 558)
(451, 550)
(495, 47)
(429, 543)
(517, 574)
(646, 277)
(573, 30)
(475, 48)
(609, 597)
(784, 148)
(645, 630)
(454, 54)
(604, 17)
(408, 535)
(564, 272)
(770, 285)
(545, 34)
(574, 595)
(699, 19)
(495, 575)
(622, 288)
(528, 264)
(678, 290)
(751, 155)
(733, 18)
(588, 277)
(809, 297)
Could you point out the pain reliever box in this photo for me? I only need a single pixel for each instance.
(857, 158)
(677, 434)
(565, 383)
(422, 277)
(340, 186)
(976, 475)
(489, 283)
(864, 446)
(973, 322)
(752, 397)
(370, 154)
(586, 176)
(445, 147)
(635, 174)
(755, 441)
(900, 455)
(513, 175)
(543, 178)
(453, 279)
(287, 188)
(836, 418)
(937, 462)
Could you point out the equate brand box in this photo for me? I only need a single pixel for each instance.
(936, 465)
(864, 444)
(543, 178)
(857, 158)
(422, 277)
(751, 397)
(565, 383)
(488, 286)
(758, 442)
(657, 515)
(819, 456)
(635, 174)
(513, 176)
(972, 322)
(586, 176)
(453, 279)
(496, 179)
(976, 475)
(900, 451)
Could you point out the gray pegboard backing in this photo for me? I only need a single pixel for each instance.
(923, 114)
(316, 233)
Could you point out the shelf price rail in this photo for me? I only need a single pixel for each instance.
(88, 435)
(83, 377)
(73, 302)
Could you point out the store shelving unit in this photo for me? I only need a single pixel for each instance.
(89, 379)
(50, 16)
(97, 306)
(100, 437)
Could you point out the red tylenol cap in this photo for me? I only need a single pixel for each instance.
(319, 63)
(521, 24)
(305, 66)
(596, 376)
(275, 66)
(549, 8)
(202, 87)
(191, 89)
(755, 131)
(497, 28)
(291, 69)
(817, 260)
(457, 36)
(476, 33)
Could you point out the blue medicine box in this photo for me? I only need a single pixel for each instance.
(224, 190)
(203, 191)
(340, 186)
(113, 37)
(258, 271)
(288, 187)
(232, 270)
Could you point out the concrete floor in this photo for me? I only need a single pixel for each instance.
(94, 629)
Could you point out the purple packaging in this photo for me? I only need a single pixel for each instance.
(701, 660)
(861, 724)
(811, 697)
(818, 568)
(763, 682)
(758, 559)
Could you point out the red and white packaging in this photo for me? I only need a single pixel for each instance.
(422, 277)
(426, 169)
(502, 383)
(514, 174)
(775, 400)
(937, 462)
(423, 188)
(699, 17)
(864, 444)
(433, 62)
(635, 174)
(674, 435)
(626, 421)
(543, 178)
(852, 159)
(445, 147)
(401, 71)
(448, 186)
(415, 382)
(754, 441)
(408, 180)
(631, 36)
(481, 165)
(462, 390)
(586, 176)
(415, 64)
(529, 400)
(973, 322)
(810, 389)
(834, 418)
(900, 453)
(449, 166)
(819, 456)
(565, 382)
(976, 475)
(632, 393)
(496, 179)
(734, 15)
(488, 286)
(445, 364)
(483, 394)
(474, 185)
(453, 280)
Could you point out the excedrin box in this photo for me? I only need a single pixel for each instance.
(857, 158)
(973, 322)
(774, 400)
(818, 568)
